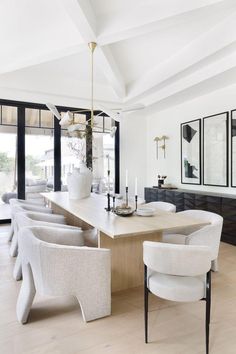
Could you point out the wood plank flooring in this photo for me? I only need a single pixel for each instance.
(56, 327)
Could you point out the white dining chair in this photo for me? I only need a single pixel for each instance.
(27, 219)
(208, 235)
(177, 273)
(20, 203)
(48, 217)
(162, 206)
(51, 266)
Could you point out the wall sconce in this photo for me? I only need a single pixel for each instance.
(163, 146)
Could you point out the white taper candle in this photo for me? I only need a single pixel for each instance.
(136, 186)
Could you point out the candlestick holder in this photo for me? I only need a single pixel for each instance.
(136, 202)
(114, 202)
(108, 208)
(126, 196)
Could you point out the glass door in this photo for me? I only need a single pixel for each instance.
(39, 154)
(8, 176)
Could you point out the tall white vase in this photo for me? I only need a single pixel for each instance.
(79, 183)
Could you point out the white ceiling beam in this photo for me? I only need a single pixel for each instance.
(56, 98)
(43, 58)
(206, 87)
(128, 25)
(206, 73)
(83, 17)
(204, 46)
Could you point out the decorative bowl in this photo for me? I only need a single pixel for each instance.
(123, 211)
(145, 211)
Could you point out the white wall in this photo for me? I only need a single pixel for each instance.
(168, 123)
(133, 151)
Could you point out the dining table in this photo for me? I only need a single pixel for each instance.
(124, 236)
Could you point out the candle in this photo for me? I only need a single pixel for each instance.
(126, 178)
(108, 162)
(136, 186)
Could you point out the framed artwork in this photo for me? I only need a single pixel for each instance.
(233, 148)
(191, 152)
(215, 150)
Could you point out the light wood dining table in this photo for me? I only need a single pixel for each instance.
(123, 235)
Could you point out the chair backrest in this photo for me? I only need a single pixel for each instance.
(163, 206)
(20, 207)
(25, 219)
(37, 216)
(181, 260)
(57, 266)
(24, 202)
(208, 235)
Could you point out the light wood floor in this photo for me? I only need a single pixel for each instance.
(56, 327)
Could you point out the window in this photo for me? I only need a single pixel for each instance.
(8, 115)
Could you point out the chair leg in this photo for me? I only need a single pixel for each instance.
(208, 308)
(11, 232)
(214, 265)
(146, 292)
(26, 294)
(91, 309)
(17, 272)
(14, 245)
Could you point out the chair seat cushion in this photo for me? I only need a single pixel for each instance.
(174, 238)
(177, 288)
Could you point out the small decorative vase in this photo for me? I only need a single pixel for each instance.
(79, 183)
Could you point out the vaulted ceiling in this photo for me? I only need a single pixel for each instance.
(153, 52)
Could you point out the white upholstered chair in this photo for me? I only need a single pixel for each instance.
(26, 219)
(52, 267)
(48, 217)
(177, 273)
(162, 206)
(208, 235)
(20, 203)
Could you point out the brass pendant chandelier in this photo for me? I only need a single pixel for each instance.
(80, 130)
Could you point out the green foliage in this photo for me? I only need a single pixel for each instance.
(6, 163)
(31, 165)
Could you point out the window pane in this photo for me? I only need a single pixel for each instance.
(32, 117)
(103, 145)
(8, 183)
(108, 122)
(79, 118)
(9, 115)
(98, 124)
(39, 159)
(47, 119)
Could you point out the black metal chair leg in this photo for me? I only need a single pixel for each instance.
(208, 308)
(146, 291)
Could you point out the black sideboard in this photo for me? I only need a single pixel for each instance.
(222, 204)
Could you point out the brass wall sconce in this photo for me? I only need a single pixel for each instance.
(163, 146)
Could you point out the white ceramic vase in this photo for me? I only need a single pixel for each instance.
(79, 183)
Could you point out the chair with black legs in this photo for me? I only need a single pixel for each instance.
(177, 273)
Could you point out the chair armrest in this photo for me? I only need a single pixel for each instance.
(61, 235)
(52, 218)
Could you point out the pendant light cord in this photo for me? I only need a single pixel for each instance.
(92, 46)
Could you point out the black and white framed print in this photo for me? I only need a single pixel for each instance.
(233, 148)
(215, 150)
(191, 152)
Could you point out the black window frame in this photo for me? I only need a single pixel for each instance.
(21, 127)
